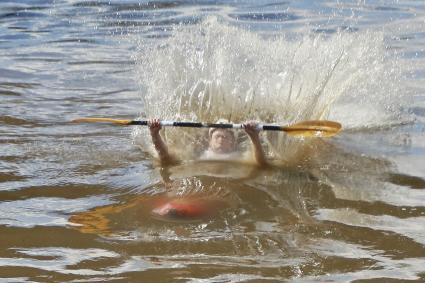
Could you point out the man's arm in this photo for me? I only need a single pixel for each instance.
(253, 133)
(160, 146)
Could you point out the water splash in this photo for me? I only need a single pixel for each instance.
(213, 70)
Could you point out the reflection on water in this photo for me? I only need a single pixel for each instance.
(200, 196)
(84, 203)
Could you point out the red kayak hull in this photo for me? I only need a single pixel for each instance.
(186, 209)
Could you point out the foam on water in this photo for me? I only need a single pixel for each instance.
(213, 70)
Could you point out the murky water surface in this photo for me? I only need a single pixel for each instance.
(84, 202)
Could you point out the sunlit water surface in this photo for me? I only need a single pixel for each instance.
(77, 200)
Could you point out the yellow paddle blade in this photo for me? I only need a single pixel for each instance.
(314, 128)
(102, 120)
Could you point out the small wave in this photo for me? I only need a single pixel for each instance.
(8, 120)
(117, 7)
(22, 15)
(265, 16)
(9, 93)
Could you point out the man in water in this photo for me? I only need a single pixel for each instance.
(169, 206)
(221, 143)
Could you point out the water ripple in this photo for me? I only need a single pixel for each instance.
(279, 17)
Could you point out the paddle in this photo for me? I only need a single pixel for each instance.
(313, 128)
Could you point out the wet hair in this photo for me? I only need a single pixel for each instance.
(221, 121)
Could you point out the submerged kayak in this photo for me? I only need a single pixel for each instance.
(187, 209)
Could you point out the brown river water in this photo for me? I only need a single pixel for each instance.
(79, 202)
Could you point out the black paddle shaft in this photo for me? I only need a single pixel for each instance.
(205, 125)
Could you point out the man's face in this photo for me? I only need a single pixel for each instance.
(222, 141)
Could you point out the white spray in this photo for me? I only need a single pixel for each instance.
(213, 70)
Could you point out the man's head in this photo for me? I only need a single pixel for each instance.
(222, 140)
